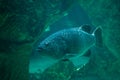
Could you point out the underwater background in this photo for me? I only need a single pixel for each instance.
(25, 23)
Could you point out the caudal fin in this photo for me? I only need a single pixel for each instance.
(98, 35)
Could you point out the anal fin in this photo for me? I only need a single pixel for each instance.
(79, 62)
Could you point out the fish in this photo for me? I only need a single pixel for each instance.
(67, 44)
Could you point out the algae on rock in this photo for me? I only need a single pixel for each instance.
(22, 22)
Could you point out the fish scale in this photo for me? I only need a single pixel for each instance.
(72, 40)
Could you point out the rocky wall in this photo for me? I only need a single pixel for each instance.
(21, 24)
(105, 13)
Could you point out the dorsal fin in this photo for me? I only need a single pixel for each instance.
(86, 27)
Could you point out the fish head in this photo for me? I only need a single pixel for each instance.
(44, 57)
(48, 48)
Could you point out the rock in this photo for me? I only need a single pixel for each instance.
(22, 22)
(59, 71)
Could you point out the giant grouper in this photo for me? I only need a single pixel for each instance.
(68, 44)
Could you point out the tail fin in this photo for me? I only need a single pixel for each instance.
(98, 35)
(96, 29)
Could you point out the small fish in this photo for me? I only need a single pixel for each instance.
(68, 44)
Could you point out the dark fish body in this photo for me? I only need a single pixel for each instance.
(68, 44)
(67, 41)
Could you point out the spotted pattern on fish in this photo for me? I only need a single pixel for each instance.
(67, 41)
